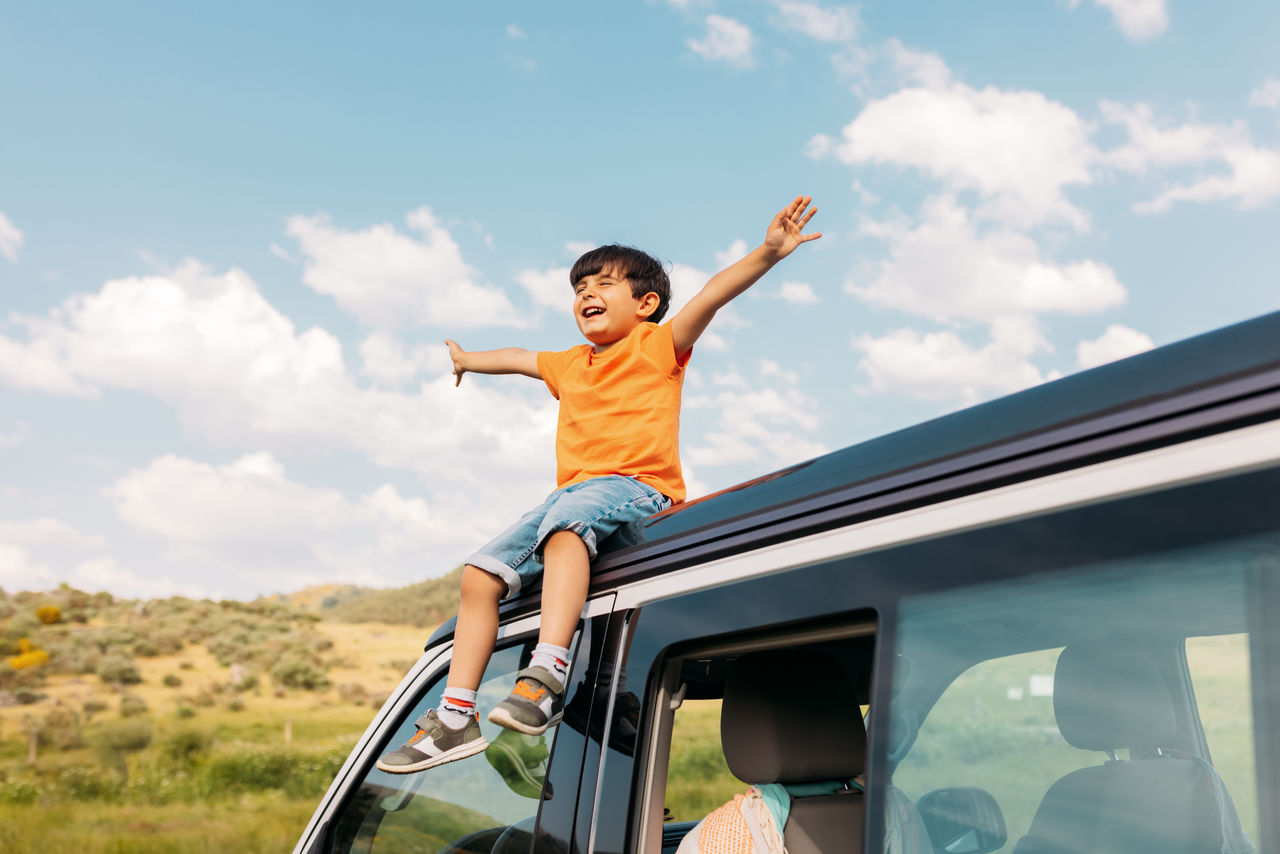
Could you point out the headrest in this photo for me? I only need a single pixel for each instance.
(1110, 694)
(790, 716)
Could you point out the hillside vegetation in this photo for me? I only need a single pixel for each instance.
(428, 603)
(186, 725)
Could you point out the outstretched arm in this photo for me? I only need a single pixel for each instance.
(780, 240)
(510, 360)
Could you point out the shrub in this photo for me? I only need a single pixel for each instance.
(26, 697)
(144, 648)
(185, 711)
(78, 783)
(236, 705)
(296, 672)
(49, 614)
(131, 705)
(186, 665)
(115, 741)
(61, 728)
(18, 792)
(185, 745)
(93, 706)
(118, 670)
(172, 680)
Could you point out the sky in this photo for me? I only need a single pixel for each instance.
(234, 236)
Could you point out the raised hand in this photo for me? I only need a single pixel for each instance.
(785, 233)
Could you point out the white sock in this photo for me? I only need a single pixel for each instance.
(457, 707)
(553, 658)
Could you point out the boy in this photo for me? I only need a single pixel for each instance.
(617, 463)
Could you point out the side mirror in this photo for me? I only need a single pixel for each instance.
(962, 820)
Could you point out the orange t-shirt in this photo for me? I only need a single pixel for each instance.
(619, 410)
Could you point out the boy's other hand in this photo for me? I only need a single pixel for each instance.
(456, 353)
(785, 233)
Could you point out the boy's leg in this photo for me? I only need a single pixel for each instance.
(538, 699)
(452, 731)
(565, 576)
(477, 628)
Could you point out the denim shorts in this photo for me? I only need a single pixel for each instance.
(593, 509)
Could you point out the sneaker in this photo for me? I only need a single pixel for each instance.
(434, 744)
(521, 760)
(536, 703)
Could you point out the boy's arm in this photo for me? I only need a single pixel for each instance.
(510, 360)
(780, 240)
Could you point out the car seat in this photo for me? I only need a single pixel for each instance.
(1108, 696)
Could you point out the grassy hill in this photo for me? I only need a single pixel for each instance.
(428, 603)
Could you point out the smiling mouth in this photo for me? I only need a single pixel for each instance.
(593, 311)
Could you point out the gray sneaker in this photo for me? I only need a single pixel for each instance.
(434, 744)
(536, 703)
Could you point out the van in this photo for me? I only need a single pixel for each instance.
(1048, 623)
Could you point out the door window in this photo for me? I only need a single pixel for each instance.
(480, 804)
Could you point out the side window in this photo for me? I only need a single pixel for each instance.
(482, 804)
(1030, 713)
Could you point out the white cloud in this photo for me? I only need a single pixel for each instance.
(237, 370)
(1266, 95)
(386, 278)
(29, 551)
(247, 517)
(945, 268)
(387, 361)
(1116, 342)
(104, 573)
(941, 366)
(726, 41)
(514, 32)
(797, 293)
(282, 253)
(1137, 19)
(736, 251)
(46, 531)
(11, 238)
(18, 433)
(824, 24)
(1017, 150)
(19, 571)
(919, 67)
(1252, 176)
(768, 423)
(548, 288)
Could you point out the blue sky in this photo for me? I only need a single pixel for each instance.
(232, 240)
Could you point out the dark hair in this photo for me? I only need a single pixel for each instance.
(643, 271)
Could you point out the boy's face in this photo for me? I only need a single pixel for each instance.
(605, 310)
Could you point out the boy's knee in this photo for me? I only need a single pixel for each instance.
(564, 539)
(477, 584)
